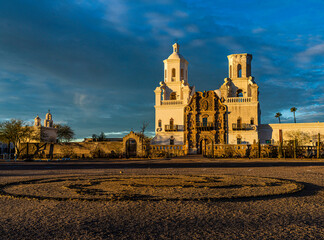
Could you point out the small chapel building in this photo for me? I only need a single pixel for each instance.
(47, 132)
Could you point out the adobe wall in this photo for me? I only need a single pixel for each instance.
(79, 149)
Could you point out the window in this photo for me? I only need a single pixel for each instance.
(239, 123)
(173, 96)
(165, 73)
(239, 140)
(181, 74)
(252, 121)
(230, 71)
(171, 123)
(239, 93)
(160, 123)
(239, 71)
(173, 72)
(171, 141)
(204, 120)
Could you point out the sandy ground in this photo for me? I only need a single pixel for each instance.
(299, 216)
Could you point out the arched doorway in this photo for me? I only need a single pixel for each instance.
(133, 145)
(206, 147)
(131, 148)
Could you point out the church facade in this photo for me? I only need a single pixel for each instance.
(198, 121)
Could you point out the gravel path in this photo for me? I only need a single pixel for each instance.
(300, 216)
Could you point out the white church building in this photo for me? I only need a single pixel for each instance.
(239, 93)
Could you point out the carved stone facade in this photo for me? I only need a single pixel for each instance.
(205, 122)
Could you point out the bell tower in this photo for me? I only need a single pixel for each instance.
(170, 99)
(239, 65)
(175, 67)
(241, 96)
(48, 121)
(37, 121)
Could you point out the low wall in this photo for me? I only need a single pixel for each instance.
(75, 150)
(167, 150)
(270, 132)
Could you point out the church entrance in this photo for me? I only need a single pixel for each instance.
(206, 147)
(131, 148)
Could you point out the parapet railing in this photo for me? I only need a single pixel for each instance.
(238, 99)
(205, 126)
(242, 126)
(171, 102)
(171, 128)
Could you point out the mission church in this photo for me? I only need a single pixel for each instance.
(228, 115)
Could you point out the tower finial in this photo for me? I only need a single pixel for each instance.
(176, 47)
(49, 110)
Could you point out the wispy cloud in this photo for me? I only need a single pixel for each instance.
(95, 63)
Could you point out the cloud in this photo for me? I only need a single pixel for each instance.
(81, 100)
(311, 52)
(95, 63)
(258, 30)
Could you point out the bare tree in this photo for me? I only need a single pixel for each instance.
(102, 136)
(142, 133)
(144, 126)
(94, 137)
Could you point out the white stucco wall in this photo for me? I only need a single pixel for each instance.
(271, 131)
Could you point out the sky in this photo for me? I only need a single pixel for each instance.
(96, 63)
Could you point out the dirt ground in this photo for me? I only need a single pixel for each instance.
(295, 216)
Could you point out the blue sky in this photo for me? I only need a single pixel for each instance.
(95, 63)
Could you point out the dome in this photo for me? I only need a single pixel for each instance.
(37, 118)
(175, 55)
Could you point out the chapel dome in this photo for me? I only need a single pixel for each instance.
(175, 55)
(48, 116)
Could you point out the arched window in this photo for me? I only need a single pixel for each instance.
(239, 93)
(204, 121)
(165, 73)
(160, 123)
(181, 74)
(239, 71)
(173, 74)
(173, 96)
(252, 121)
(239, 123)
(171, 140)
(239, 140)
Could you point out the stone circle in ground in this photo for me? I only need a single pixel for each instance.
(149, 187)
